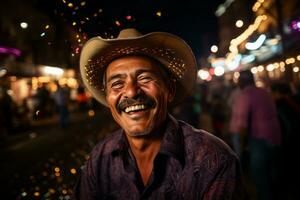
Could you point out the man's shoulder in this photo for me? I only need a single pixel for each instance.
(200, 144)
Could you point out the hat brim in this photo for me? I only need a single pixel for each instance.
(166, 48)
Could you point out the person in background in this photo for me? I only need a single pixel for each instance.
(254, 119)
(43, 98)
(289, 117)
(6, 113)
(153, 155)
(82, 99)
(61, 98)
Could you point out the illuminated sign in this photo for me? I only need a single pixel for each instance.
(10, 51)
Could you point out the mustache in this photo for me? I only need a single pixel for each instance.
(141, 99)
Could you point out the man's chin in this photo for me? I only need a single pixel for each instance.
(140, 133)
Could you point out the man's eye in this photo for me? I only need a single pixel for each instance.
(117, 85)
(145, 79)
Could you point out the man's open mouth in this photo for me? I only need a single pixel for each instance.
(135, 105)
(135, 108)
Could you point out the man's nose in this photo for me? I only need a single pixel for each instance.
(132, 90)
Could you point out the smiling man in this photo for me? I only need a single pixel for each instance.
(153, 155)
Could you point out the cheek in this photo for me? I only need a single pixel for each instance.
(161, 97)
(112, 101)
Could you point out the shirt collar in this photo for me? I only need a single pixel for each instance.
(172, 142)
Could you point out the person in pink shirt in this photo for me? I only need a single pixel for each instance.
(255, 123)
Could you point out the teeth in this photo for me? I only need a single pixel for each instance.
(134, 108)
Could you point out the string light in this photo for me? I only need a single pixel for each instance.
(214, 49)
(117, 23)
(73, 171)
(37, 194)
(128, 17)
(239, 23)
(254, 70)
(234, 43)
(296, 69)
(24, 25)
(158, 13)
(257, 5)
(70, 5)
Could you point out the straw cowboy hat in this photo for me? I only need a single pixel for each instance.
(166, 48)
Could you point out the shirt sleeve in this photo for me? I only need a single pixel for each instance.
(85, 188)
(228, 183)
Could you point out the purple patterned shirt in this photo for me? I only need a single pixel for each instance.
(191, 164)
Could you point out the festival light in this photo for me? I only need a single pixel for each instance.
(239, 23)
(254, 70)
(270, 67)
(219, 71)
(234, 43)
(54, 71)
(295, 24)
(203, 74)
(222, 8)
(3, 71)
(117, 23)
(11, 51)
(128, 17)
(214, 48)
(23, 25)
(296, 69)
(255, 45)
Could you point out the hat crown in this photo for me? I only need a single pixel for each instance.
(128, 33)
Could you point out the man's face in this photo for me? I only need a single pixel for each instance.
(137, 94)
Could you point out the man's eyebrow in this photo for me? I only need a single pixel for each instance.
(140, 71)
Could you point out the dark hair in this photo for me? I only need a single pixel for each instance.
(246, 78)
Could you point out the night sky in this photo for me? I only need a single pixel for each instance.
(192, 20)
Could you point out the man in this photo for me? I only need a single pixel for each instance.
(254, 121)
(152, 156)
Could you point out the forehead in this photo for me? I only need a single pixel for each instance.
(132, 63)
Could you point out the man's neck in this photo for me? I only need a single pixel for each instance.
(144, 150)
(144, 146)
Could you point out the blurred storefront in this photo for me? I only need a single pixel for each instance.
(30, 88)
(262, 35)
(24, 79)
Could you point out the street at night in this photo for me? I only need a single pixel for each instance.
(44, 162)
